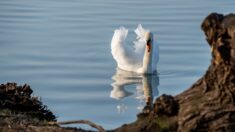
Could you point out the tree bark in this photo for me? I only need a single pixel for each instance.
(209, 104)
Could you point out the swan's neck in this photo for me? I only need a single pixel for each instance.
(148, 88)
(147, 61)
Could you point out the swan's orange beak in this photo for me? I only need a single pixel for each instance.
(148, 45)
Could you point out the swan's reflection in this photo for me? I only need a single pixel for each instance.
(146, 88)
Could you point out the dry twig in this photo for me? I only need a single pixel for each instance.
(98, 127)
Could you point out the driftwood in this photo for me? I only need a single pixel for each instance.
(209, 105)
(98, 127)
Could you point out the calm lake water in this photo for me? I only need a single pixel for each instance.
(62, 49)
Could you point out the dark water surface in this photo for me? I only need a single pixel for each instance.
(62, 49)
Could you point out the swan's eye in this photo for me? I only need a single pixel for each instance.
(148, 42)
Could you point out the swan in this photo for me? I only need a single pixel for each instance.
(141, 57)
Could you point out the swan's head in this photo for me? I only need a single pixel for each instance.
(149, 40)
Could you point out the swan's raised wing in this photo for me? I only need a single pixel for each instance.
(124, 54)
(139, 45)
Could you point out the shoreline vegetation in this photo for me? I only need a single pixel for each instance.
(208, 105)
(22, 112)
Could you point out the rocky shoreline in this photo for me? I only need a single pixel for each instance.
(207, 106)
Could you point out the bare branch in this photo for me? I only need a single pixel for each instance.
(98, 127)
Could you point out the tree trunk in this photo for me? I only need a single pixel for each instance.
(209, 104)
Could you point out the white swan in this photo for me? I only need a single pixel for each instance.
(142, 57)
